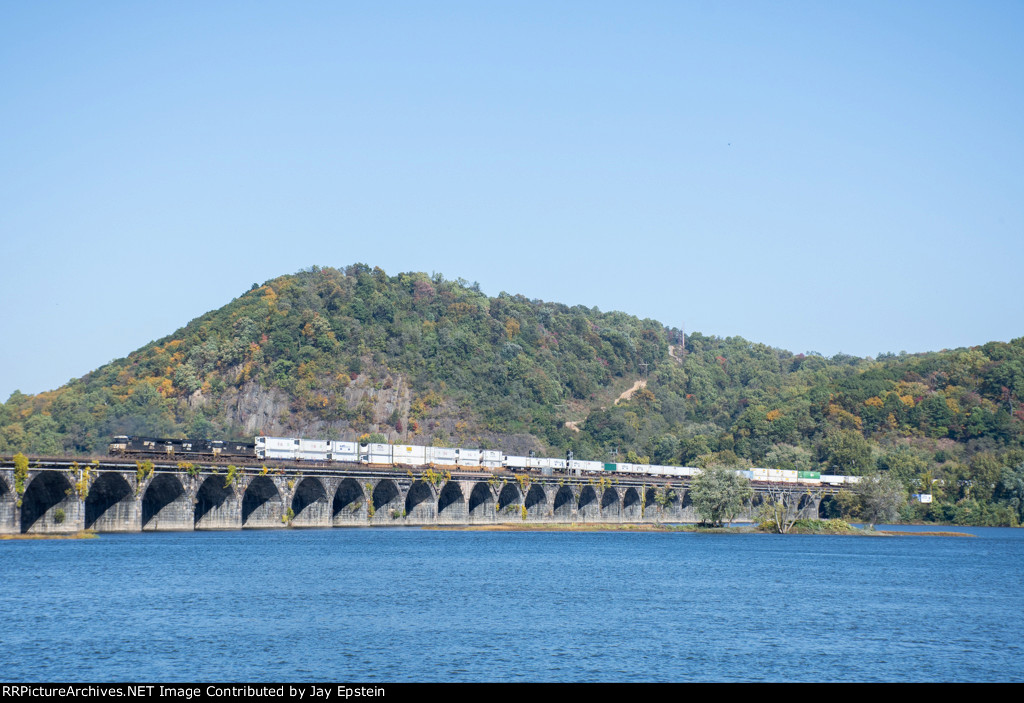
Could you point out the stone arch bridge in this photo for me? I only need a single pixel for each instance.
(119, 496)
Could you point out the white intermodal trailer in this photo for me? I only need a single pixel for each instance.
(442, 456)
(409, 455)
(347, 452)
(276, 448)
(590, 467)
(313, 450)
(517, 462)
(468, 457)
(375, 453)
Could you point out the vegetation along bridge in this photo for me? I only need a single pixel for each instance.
(64, 496)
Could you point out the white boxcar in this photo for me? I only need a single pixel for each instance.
(345, 451)
(517, 462)
(409, 455)
(276, 447)
(491, 458)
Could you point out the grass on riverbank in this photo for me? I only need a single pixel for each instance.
(801, 527)
(84, 534)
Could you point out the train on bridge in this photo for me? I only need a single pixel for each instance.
(411, 456)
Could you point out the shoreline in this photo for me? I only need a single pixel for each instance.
(688, 528)
(691, 528)
(84, 534)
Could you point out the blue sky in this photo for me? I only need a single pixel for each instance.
(838, 177)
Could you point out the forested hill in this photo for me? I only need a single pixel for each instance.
(419, 359)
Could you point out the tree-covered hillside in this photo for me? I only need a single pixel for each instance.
(418, 359)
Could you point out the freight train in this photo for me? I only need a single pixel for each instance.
(406, 456)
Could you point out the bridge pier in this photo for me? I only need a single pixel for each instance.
(50, 504)
(8, 503)
(452, 503)
(350, 504)
(111, 505)
(263, 503)
(311, 503)
(167, 503)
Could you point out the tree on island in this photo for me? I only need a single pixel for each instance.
(781, 506)
(719, 494)
(881, 497)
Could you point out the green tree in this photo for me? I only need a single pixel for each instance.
(845, 452)
(719, 494)
(1011, 487)
(881, 497)
(788, 457)
(666, 449)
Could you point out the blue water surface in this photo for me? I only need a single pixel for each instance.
(423, 605)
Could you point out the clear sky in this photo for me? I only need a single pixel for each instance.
(838, 177)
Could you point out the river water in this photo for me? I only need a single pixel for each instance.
(347, 605)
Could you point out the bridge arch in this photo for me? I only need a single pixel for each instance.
(166, 506)
(481, 502)
(650, 501)
(349, 505)
(420, 503)
(216, 506)
(536, 502)
(510, 502)
(387, 500)
(110, 505)
(588, 508)
(262, 504)
(49, 504)
(809, 506)
(667, 503)
(631, 507)
(829, 508)
(687, 513)
(564, 503)
(611, 505)
(451, 504)
(310, 505)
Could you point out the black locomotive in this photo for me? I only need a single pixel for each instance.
(124, 445)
